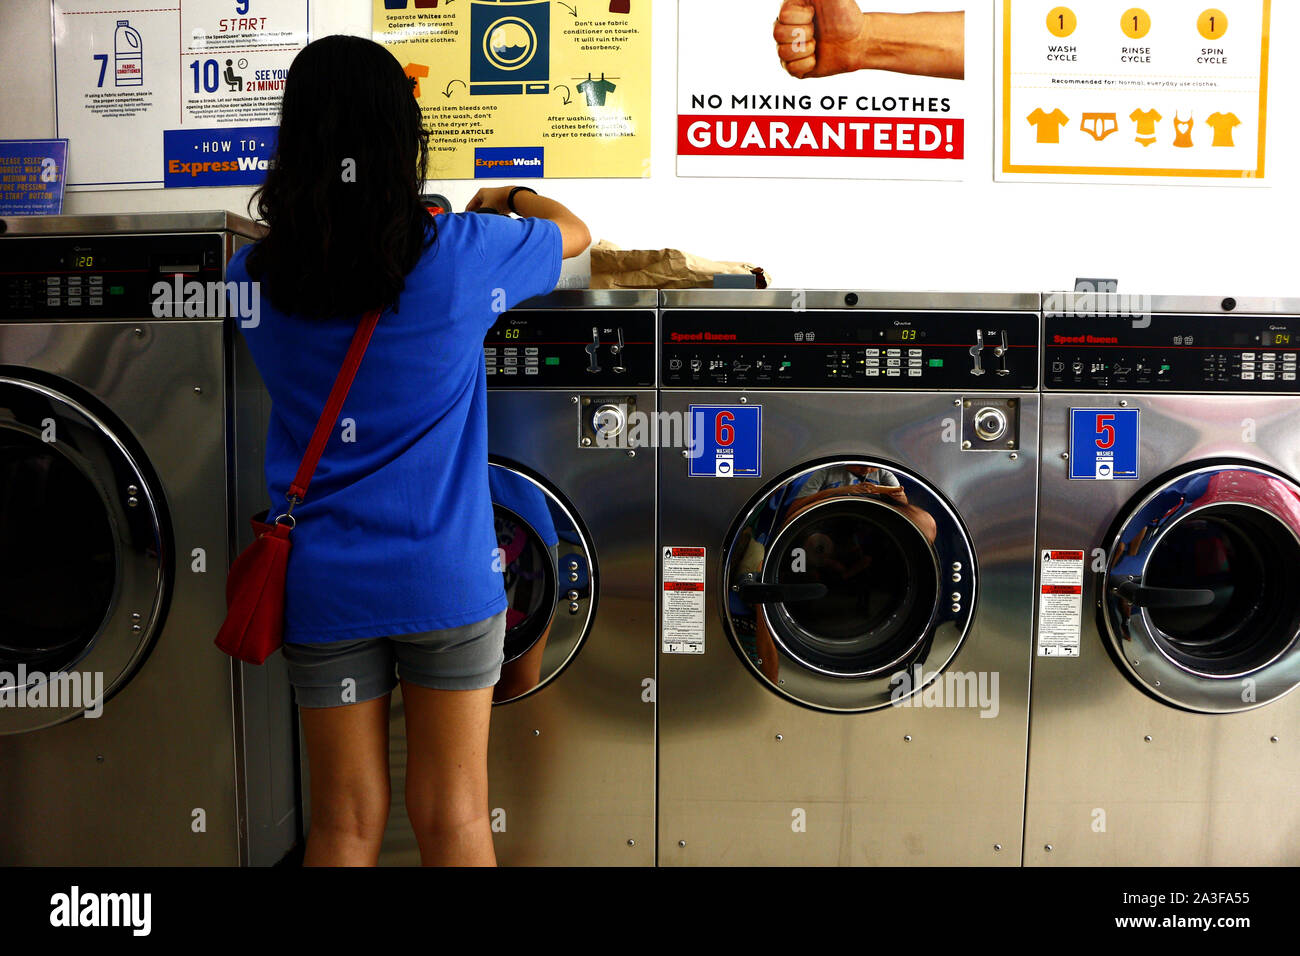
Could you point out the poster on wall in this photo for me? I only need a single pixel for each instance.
(822, 89)
(525, 89)
(32, 176)
(1162, 91)
(182, 93)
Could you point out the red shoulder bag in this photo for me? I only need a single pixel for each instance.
(254, 626)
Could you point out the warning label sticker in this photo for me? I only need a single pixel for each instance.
(683, 601)
(1060, 603)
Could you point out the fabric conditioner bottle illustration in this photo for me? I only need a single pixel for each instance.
(128, 56)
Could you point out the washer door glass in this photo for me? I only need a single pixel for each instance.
(849, 585)
(546, 562)
(1200, 596)
(81, 558)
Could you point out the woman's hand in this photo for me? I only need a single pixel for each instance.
(491, 197)
(573, 231)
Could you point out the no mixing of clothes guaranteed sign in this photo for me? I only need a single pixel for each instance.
(822, 89)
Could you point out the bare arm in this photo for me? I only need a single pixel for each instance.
(573, 230)
(828, 37)
(925, 44)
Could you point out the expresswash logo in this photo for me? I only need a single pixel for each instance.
(504, 162)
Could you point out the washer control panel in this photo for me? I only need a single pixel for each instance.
(1171, 353)
(572, 348)
(91, 277)
(853, 350)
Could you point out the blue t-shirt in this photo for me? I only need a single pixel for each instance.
(395, 535)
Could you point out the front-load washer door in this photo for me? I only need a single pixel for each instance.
(850, 585)
(82, 558)
(548, 568)
(1200, 598)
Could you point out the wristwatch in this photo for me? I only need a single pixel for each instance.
(510, 199)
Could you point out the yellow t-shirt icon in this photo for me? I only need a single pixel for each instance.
(1048, 124)
(1223, 125)
(1146, 120)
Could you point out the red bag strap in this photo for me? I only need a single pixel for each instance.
(333, 407)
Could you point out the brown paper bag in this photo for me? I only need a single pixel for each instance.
(615, 268)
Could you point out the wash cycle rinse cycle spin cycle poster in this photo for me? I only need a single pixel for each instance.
(1152, 91)
(527, 89)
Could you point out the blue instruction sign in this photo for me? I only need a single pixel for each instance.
(1104, 444)
(726, 441)
(32, 174)
(229, 156)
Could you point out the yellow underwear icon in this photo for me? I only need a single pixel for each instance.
(1099, 125)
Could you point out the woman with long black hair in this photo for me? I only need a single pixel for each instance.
(392, 574)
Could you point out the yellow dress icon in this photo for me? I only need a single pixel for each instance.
(1048, 124)
(1183, 132)
(1146, 122)
(1223, 125)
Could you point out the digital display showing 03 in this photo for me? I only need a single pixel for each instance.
(903, 335)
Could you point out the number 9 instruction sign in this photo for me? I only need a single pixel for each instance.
(1103, 444)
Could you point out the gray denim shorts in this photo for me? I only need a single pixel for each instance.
(350, 672)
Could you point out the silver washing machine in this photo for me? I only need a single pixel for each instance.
(846, 555)
(572, 751)
(1163, 728)
(130, 459)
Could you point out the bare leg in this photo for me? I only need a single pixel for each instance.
(446, 775)
(347, 753)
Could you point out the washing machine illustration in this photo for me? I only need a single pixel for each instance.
(511, 49)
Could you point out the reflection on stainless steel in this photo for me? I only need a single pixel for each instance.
(536, 533)
(1199, 590)
(834, 576)
(759, 733)
(1166, 741)
(130, 461)
(571, 757)
(84, 567)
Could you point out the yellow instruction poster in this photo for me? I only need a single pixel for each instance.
(526, 89)
(1152, 91)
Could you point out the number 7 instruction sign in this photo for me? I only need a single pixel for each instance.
(1104, 444)
(182, 93)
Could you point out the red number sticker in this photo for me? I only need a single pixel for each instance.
(723, 433)
(1105, 431)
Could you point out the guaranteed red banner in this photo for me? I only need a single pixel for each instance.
(845, 136)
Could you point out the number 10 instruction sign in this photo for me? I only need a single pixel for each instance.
(126, 73)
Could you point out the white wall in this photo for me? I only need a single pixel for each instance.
(970, 236)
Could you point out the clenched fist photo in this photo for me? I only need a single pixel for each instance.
(817, 38)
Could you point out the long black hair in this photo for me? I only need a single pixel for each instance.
(342, 195)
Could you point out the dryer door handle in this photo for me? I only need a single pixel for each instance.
(1139, 596)
(753, 593)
